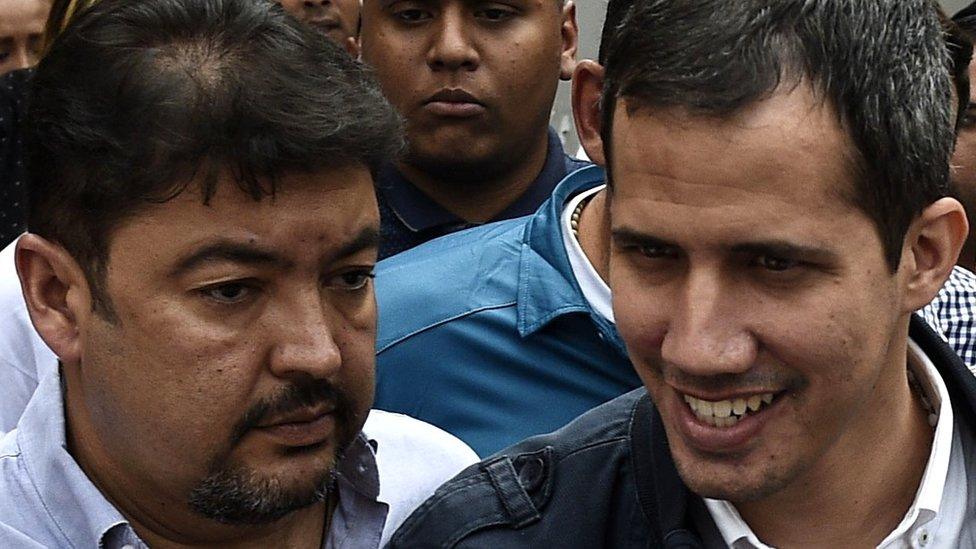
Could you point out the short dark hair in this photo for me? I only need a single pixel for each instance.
(136, 100)
(880, 63)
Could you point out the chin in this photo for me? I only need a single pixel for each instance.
(728, 481)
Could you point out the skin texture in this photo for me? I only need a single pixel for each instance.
(509, 56)
(21, 30)
(713, 302)
(155, 397)
(337, 19)
(964, 170)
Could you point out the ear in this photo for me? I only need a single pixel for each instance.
(57, 294)
(931, 249)
(570, 41)
(587, 91)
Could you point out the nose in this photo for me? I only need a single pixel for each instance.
(452, 46)
(305, 341)
(22, 57)
(706, 334)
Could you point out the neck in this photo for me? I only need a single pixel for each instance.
(594, 234)
(159, 512)
(478, 195)
(862, 487)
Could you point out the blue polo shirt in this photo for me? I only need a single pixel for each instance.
(486, 333)
(408, 217)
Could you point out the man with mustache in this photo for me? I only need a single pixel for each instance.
(203, 234)
(475, 82)
(771, 237)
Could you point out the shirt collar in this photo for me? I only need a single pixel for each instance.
(928, 498)
(547, 287)
(76, 506)
(419, 213)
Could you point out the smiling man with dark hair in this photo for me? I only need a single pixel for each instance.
(776, 211)
(203, 235)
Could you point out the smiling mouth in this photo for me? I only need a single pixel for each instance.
(727, 413)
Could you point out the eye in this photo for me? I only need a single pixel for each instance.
(776, 264)
(412, 15)
(495, 14)
(658, 251)
(351, 280)
(228, 293)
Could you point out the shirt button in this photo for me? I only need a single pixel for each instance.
(922, 537)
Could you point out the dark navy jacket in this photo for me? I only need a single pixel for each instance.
(605, 480)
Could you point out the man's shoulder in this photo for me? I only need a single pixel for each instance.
(530, 493)
(448, 278)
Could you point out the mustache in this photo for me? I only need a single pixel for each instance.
(295, 396)
(746, 380)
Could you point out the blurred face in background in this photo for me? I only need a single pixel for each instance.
(21, 30)
(338, 19)
(964, 167)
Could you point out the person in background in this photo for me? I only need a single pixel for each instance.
(203, 234)
(338, 19)
(21, 32)
(771, 239)
(475, 82)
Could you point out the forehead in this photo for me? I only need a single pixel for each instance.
(789, 147)
(20, 16)
(309, 215)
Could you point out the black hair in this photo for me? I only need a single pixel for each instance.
(137, 100)
(880, 63)
(960, 47)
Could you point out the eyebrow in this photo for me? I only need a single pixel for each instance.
(230, 252)
(779, 248)
(249, 254)
(367, 238)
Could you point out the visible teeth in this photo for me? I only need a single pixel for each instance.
(755, 401)
(722, 408)
(739, 406)
(705, 408)
(726, 413)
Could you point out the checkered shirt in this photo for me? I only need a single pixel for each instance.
(953, 314)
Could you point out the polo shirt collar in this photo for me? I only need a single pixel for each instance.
(74, 504)
(418, 212)
(547, 287)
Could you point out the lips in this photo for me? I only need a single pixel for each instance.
(723, 424)
(305, 427)
(455, 103)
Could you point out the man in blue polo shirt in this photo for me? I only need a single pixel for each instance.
(475, 82)
(506, 331)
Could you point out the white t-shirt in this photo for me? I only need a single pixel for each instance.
(595, 289)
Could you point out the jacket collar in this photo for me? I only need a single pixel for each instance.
(547, 287)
